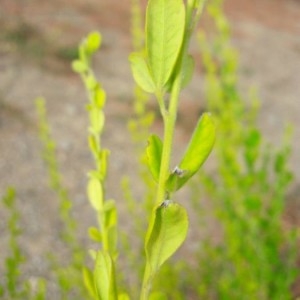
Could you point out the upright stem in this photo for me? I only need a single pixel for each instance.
(169, 118)
(169, 114)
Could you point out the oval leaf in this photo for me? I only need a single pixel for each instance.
(97, 119)
(93, 42)
(199, 147)
(168, 232)
(95, 234)
(154, 151)
(88, 280)
(140, 72)
(187, 70)
(79, 66)
(99, 97)
(165, 22)
(95, 193)
(104, 277)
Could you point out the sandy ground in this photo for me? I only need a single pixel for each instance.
(266, 33)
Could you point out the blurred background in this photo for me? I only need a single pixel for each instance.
(38, 41)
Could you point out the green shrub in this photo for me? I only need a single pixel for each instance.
(256, 257)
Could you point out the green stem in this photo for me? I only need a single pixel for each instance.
(146, 284)
(169, 117)
(96, 153)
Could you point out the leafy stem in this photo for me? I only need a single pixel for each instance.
(169, 118)
(170, 114)
(167, 73)
(105, 209)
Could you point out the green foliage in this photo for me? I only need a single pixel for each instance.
(105, 209)
(55, 180)
(169, 231)
(139, 128)
(196, 153)
(167, 39)
(141, 72)
(14, 285)
(14, 261)
(105, 277)
(256, 257)
(68, 273)
(165, 25)
(154, 151)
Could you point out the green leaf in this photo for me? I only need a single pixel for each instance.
(99, 96)
(9, 198)
(93, 42)
(252, 141)
(123, 296)
(79, 66)
(165, 24)
(93, 143)
(187, 70)
(95, 193)
(88, 280)
(90, 82)
(199, 147)
(110, 213)
(154, 152)
(188, 67)
(97, 119)
(140, 72)
(95, 234)
(111, 223)
(168, 232)
(103, 162)
(104, 277)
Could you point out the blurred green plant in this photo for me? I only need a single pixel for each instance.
(14, 285)
(139, 127)
(256, 257)
(68, 272)
(14, 261)
(101, 283)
